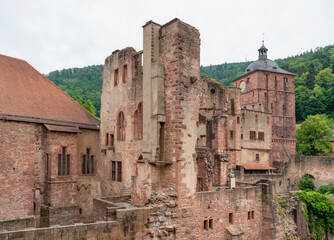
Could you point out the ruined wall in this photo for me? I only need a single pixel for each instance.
(180, 56)
(130, 224)
(282, 151)
(124, 67)
(207, 215)
(321, 168)
(17, 147)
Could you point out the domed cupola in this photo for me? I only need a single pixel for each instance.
(264, 64)
(263, 52)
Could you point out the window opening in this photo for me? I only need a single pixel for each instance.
(63, 163)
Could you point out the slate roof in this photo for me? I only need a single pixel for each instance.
(26, 95)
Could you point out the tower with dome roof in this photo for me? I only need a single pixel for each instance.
(265, 84)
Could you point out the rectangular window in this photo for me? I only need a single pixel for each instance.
(252, 214)
(84, 164)
(210, 224)
(112, 140)
(238, 119)
(59, 164)
(125, 73)
(261, 136)
(230, 218)
(248, 80)
(119, 171)
(231, 134)
(232, 106)
(256, 118)
(205, 225)
(47, 164)
(63, 163)
(115, 77)
(252, 135)
(88, 158)
(92, 164)
(242, 136)
(249, 215)
(257, 157)
(68, 165)
(243, 116)
(107, 139)
(113, 171)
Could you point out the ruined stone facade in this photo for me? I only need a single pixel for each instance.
(175, 155)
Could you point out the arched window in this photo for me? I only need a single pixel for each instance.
(121, 127)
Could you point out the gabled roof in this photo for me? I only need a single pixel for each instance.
(26, 95)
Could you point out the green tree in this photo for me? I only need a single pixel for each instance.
(319, 213)
(87, 104)
(325, 78)
(305, 183)
(326, 189)
(314, 135)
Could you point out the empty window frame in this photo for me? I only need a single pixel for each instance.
(210, 224)
(232, 106)
(120, 127)
(47, 164)
(252, 135)
(230, 218)
(260, 136)
(125, 73)
(205, 224)
(116, 171)
(115, 77)
(88, 163)
(63, 163)
(138, 122)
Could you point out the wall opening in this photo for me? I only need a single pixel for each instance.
(162, 141)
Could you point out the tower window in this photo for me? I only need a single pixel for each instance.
(256, 118)
(261, 136)
(257, 157)
(252, 135)
(231, 134)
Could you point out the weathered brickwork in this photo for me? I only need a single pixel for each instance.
(17, 147)
(178, 156)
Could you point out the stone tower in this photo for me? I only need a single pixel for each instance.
(264, 82)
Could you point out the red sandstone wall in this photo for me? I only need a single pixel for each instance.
(17, 148)
(124, 97)
(180, 55)
(282, 151)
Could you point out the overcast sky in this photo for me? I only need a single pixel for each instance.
(57, 34)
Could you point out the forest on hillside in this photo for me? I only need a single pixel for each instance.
(314, 82)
